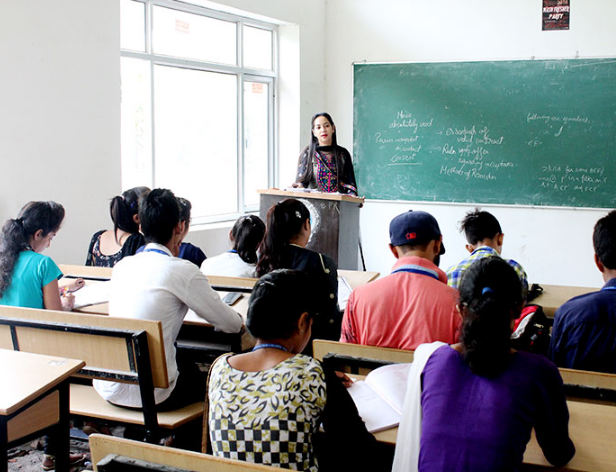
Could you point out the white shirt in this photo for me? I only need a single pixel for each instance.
(229, 264)
(154, 285)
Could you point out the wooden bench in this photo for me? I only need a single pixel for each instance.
(355, 358)
(116, 349)
(147, 456)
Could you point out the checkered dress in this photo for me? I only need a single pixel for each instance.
(267, 417)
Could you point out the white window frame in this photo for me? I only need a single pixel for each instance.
(243, 74)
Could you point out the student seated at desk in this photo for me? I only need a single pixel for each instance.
(485, 239)
(241, 260)
(472, 406)
(284, 247)
(584, 331)
(156, 285)
(188, 251)
(27, 277)
(266, 406)
(108, 247)
(412, 305)
(30, 279)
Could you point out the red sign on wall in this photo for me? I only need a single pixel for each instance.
(555, 15)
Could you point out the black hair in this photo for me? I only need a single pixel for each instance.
(247, 234)
(604, 240)
(490, 298)
(305, 178)
(284, 220)
(478, 225)
(159, 213)
(277, 301)
(123, 208)
(16, 234)
(185, 207)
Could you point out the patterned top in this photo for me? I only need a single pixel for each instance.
(97, 258)
(325, 169)
(454, 273)
(267, 417)
(332, 170)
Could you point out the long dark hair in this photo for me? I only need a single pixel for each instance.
(277, 302)
(490, 298)
(247, 234)
(284, 220)
(123, 208)
(306, 177)
(16, 234)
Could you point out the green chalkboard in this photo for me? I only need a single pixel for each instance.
(507, 132)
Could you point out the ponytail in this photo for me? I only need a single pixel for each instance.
(123, 209)
(16, 234)
(247, 234)
(490, 298)
(284, 220)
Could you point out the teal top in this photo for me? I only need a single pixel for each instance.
(31, 273)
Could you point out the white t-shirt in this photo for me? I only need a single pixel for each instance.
(228, 264)
(154, 285)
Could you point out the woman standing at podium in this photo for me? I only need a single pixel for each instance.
(323, 165)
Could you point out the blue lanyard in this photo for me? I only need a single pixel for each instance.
(234, 251)
(156, 250)
(417, 269)
(272, 345)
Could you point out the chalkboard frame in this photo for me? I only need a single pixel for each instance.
(368, 168)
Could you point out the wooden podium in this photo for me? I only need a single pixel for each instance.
(334, 219)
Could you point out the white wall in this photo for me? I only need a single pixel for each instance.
(59, 113)
(553, 245)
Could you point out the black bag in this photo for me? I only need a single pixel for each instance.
(532, 331)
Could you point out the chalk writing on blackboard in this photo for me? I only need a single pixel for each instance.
(518, 132)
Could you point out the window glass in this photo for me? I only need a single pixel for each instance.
(195, 119)
(256, 140)
(182, 34)
(136, 117)
(188, 95)
(132, 25)
(257, 48)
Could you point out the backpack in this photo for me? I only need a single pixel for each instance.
(532, 331)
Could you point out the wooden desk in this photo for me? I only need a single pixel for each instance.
(592, 428)
(554, 296)
(86, 272)
(35, 396)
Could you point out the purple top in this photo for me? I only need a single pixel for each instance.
(473, 423)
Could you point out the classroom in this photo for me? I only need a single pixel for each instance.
(60, 119)
(60, 112)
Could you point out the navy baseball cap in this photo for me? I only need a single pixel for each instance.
(414, 227)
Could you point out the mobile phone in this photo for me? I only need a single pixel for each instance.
(231, 297)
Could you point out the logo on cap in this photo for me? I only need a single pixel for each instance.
(411, 235)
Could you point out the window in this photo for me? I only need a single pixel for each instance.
(197, 105)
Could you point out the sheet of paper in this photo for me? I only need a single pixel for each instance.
(376, 412)
(92, 294)
(344, 292)
(390, 382)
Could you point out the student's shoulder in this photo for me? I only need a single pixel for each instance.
(97, 235)
(578, 308)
